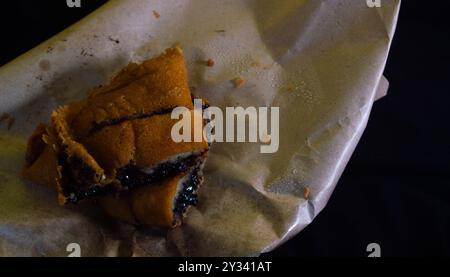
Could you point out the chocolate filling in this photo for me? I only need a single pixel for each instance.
(131, 176)
(77, 188)
(188, 194)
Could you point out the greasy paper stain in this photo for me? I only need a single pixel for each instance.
(44, 65)
(8, 119)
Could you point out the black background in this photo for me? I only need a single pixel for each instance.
(396, 189)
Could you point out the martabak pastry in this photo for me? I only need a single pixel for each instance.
(115, 146)
(163, 203)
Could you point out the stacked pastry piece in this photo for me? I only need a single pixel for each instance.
(115, 146)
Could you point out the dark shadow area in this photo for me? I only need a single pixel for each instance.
(395, 190)
(25, 24)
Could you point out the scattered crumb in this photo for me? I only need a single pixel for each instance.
(266, 139)
(39, 77)
(114, 40)
(156, 14)
(238, 82)
(8, 119)
(219, 31)
(210, 62)
(49, 49)
(95, 36)
(290, 88)
(306, 192)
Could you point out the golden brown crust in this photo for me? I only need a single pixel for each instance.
(145, 142)
(35, 144)
(43, 170)
(112, 146)
(118, 206)
(154, 204)
(40, 158)
(156, 85)
(72, 148)
(154, 142)
(148, 205)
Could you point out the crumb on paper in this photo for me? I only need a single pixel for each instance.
(219, 31)
(266, 139)
(39, 77)
(290, 88)
(114, 40)
(156, 14)
(210, 62)
(5, 117)
(49, 49)
(306, 192)
(238, 82)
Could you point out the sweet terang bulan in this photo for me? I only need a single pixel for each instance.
(115, 146)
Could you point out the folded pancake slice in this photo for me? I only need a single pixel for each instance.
(163, 204)
(103, 133)
(117, 144)
(139, 91)
(160, 201)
